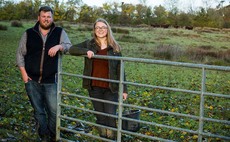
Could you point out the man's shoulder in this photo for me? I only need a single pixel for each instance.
(29, 29)
(59, 28)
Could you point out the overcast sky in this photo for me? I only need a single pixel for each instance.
(183, 4)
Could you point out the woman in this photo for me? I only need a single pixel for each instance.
(103, 43)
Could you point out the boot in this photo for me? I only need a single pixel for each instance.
(111, 134)
(44, 138)
(102, 132)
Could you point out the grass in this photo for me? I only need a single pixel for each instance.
(16, 114)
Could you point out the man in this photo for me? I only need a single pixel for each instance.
(37, 59)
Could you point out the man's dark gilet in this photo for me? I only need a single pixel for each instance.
(34, 47)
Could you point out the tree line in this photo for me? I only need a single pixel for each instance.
(120, 13)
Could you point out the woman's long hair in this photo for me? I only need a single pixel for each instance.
(110, 39)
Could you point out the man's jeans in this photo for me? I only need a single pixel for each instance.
(105, 94)
(43, 98)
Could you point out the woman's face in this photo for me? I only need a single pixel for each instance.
(101, 29)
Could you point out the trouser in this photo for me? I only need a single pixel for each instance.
(105, 94)
(43, 98)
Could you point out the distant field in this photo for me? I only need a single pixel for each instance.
(16, 121)
(200, 45)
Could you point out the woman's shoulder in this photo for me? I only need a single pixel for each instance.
(112, 52)
(91, 41)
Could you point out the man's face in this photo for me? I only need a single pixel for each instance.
(45, 19)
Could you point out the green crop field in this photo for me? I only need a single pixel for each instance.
(201, 45)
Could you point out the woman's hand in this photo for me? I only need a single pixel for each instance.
(90, 54)
(125, 96)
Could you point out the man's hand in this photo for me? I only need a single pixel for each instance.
(53, 51)
(25, 77)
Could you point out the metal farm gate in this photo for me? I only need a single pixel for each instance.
(200, 133)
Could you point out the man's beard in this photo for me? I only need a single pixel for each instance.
(45, 27)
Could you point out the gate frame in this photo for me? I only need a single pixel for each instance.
(120, 104)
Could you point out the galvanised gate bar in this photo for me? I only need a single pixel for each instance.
(200, 118)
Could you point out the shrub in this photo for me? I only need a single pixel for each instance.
(206, 47)
(131, 39)
(168, 52)
(204, 53)
(59, 23)
(85, 28)
(195, 54)
(225, 55)
(119, 30)
(200, 53)
(216, 62)
(16, 24)
(3, 27)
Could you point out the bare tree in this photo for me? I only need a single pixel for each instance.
(172, 6)
(207, 4)
(143, 2)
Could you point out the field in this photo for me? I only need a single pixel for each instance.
(201, 45)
